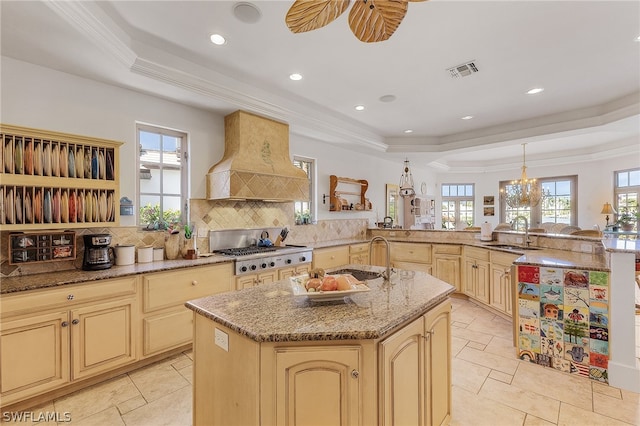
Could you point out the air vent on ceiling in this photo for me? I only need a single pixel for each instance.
(463, 70)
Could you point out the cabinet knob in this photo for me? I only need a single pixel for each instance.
(194, 282)
(64, 324)
(70, 297)
(75, 322)
(355, 374)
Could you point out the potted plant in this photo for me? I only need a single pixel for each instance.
(626, 219)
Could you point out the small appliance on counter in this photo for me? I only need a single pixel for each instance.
(97, 253)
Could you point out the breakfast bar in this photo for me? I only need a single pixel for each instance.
(268, 355)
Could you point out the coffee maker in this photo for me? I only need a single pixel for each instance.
(97, 252)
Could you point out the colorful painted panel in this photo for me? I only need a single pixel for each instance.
(563, 319)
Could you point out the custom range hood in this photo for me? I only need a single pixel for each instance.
(256, 163)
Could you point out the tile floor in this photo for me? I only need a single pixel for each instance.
(490, 387)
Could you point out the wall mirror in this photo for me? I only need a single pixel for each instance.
(393, 201)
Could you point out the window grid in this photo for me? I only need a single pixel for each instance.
(304, 209)
(627, 193)
(457, 205)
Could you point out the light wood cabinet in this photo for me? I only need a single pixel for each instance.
(317, 385)
(54, 180)
(447, 264)
(293, 271)
(72, 340)
(501, 291)
(359, 254)
(477, 273)
(411, 256)
(331, 257)
(416, 371)
(247, 281)
(166, 322)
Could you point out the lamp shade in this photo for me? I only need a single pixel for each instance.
(607, 208)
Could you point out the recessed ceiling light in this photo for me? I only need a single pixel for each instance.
(467, 117)
(359, 107)
(387, 98)
(295, 76)
(246, 12)
(408, 131)
(638, 38)
(535, 90)
(218, 39)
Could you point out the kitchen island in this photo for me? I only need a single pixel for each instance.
(265, 356)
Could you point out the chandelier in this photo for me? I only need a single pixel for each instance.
(524, 192)
(406, 181)
(370, 20)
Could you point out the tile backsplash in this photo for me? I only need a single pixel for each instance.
(205, 214)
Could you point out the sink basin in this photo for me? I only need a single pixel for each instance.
(359, 274)
(513, 247)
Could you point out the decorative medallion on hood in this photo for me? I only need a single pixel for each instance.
(256, 163)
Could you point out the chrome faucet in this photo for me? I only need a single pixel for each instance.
(526, 228)
(379, 238)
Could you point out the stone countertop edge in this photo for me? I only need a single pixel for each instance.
(271, 313)
(60, 278)
(621, 245)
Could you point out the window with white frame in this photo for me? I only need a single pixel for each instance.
(457, 205)
(558, 206)
(304, 210)
(163, 176)
(627, 193)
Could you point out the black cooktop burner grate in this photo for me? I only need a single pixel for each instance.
(244, 251)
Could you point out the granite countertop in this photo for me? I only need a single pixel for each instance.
(59, 278)
(622, 245)
(271, 313)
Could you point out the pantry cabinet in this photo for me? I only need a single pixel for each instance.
(54, 180)
(50, 338)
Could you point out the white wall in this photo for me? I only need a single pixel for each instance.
(33, 96)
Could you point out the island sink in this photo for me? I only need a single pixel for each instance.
(359, 274)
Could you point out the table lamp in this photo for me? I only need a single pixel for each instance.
(607, 209)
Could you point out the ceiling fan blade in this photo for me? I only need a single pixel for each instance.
(376, 20)
(307, 15)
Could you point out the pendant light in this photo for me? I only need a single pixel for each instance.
(406, 181)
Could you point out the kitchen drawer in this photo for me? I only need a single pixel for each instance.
(167, 289)
(66, 296)
(477, 253)
(411, 252)
(358, 248)
(447, 249)
(168, 330)
(330, 257)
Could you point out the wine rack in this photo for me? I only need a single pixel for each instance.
(57, 180)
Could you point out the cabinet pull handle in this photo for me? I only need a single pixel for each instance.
(75, 322)
(355, 374)
(194, 282)
(70, 297)
(64, 324)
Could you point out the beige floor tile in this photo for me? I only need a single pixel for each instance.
(189, 354)
(501, 377)
(520, 399)
(625, 411)
(39, 415)
(606, 390)
(554, 384)
(131, 404)
(179, 365)
(472, 335)
(97, 398)
(471, 409)
(457, 344)
(467, 375)
(170, 410)
(571, 415)
(532, 420)
(630, 396)
(476, 345)
(110, 417)
(459, 324)
(187, 373)
(501, 346)
(495, 326)
(489, 360)
(157, 380)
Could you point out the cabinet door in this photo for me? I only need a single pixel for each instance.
(499, 287)
(103, 337)
(447, 268)
(483, 277)
(167, 330)
(318, 386)
(246, 281)
(470, 277)
(34, 355)
(286, 273)
(402, 376)
(438, 364)
(359, 259)
(268, 277)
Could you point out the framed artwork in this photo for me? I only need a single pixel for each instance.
(488, 200)
(489, 211)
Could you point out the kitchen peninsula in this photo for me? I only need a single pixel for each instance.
(265, 356)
